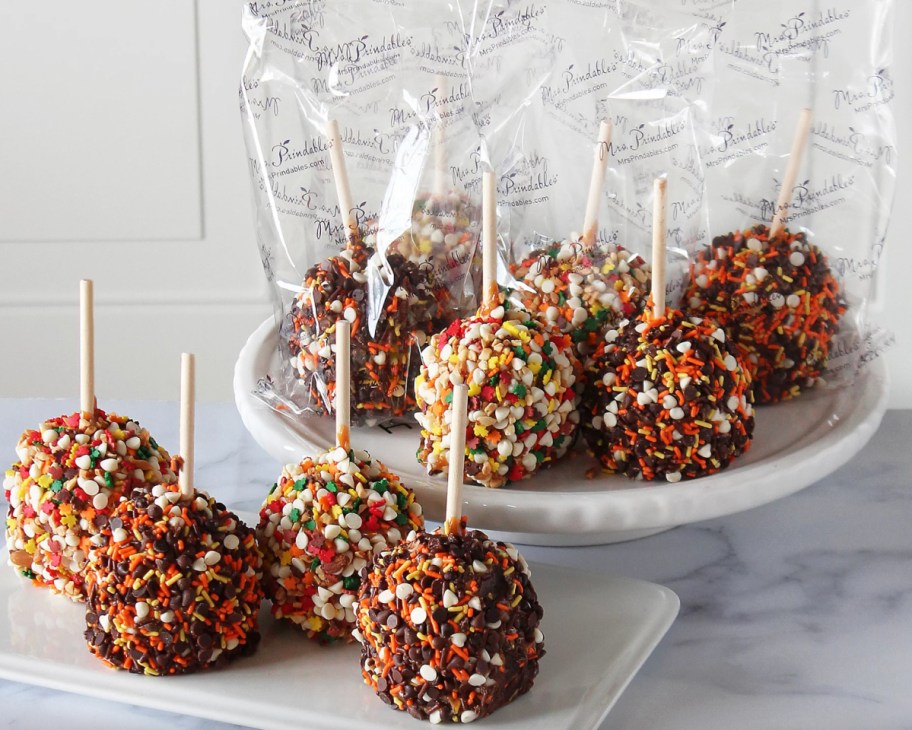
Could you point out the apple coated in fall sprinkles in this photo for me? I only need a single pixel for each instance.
(670, 399)
(520, 374)
(70, 474)
(386, 361)
(583, 290)
(448, 625)
(174, 585)
(319, 526)
(779, 301)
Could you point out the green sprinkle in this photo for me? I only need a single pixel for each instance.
(519, 389)
(273, 488)
(519, 428)
(315, 563)
(449, 397)
(401, 500)
(539, 456)
(380, 485)
(310, 525)
(28, 573)
(401, 518)
(331, 487)
(153, 443)
(351, 582)
(56, 485)
(295, 514)
(547, 347)
(109, 480)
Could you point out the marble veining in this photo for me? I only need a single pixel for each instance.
(797, 614)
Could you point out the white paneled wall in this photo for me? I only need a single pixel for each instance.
(895, 300)
(121, 159)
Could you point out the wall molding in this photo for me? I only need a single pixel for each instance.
(161, 299)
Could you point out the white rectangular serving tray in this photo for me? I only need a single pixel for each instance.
(598, 632)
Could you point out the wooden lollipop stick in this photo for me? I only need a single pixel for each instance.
(489, 238)
(343, 383)
(659, 205)
(86, 347)
(187, 417)
(596, 183)
(791, 172)
(456, 459)
(340, 174)
(440, 157)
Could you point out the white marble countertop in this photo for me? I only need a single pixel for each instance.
(797, 614)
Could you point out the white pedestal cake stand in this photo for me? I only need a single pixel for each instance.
(795, 444)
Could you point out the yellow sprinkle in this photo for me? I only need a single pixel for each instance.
(516, 331)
